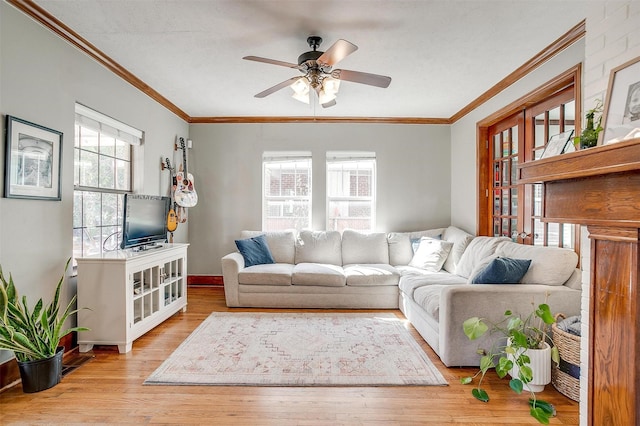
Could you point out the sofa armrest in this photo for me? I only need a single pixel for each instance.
(490, 301)
(232, 264)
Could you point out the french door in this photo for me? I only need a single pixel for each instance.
(521, 134)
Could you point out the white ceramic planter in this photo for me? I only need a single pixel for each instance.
(540, 366)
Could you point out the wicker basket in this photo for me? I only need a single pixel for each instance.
(565, 376)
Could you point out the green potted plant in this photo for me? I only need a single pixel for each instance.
(522, 341)
(589, 136)
(34, 334)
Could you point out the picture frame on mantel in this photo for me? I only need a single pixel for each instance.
(32, 161)
(557, 144)
(621, 115)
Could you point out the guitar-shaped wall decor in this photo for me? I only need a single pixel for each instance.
(172, 219)
(185, 194)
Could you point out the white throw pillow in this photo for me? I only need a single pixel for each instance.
(549, 265)
(460, 240)
(480, 251)
(431, 254)
(400, 246)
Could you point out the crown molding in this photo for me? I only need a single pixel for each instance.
(45, 18)
(49, 21)
(382, 120)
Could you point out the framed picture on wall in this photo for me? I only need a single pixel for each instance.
(32, 161)
(621, 116)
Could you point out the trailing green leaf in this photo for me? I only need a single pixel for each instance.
(544, 312)
(480, 394)
(543, 405)
(474, 328)
(540, 415)
(466, 380)
(503, 367)
(516, 385)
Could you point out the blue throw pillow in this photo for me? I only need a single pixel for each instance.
(502, 270)
(255, 251)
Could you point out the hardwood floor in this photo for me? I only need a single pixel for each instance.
(108, 389)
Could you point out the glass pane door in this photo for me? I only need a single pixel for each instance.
(505, 137)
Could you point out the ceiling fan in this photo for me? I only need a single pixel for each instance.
(318, 73)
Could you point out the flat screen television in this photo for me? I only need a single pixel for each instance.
(145, 220)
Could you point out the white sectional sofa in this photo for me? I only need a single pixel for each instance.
(427, 275)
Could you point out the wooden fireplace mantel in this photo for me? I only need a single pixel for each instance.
(600, 188)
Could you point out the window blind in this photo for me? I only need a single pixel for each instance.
(87, 117)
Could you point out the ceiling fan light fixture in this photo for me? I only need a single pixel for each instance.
(319, 73)
(325, 97)
(301, 90)
(331, 85)
(301, 86)
(300, 97)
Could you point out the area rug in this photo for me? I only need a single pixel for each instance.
(299, 349)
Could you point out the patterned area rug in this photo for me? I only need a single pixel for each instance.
(299, 349)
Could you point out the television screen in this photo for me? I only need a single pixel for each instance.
(145, 219)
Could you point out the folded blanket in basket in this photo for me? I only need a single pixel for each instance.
(570, 325)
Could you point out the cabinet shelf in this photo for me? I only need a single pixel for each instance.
(129, 294)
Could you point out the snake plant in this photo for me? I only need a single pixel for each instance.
(32, 334)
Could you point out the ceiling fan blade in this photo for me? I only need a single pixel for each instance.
(271, 61)
(277, 87)
(329, 104)
(337, 52)
(362, 77)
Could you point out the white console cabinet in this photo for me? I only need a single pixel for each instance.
(129, 293)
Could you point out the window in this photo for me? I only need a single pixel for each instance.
(286, 200)
(103, 158)
(351, 189)
(514, 136)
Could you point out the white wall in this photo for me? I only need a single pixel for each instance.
(613, 38)
(413, 177)
(41, 78)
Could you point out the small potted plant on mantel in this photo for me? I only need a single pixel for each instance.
(34, 334)
(589, 136)
(525, 353)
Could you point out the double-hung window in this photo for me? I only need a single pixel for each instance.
(104, 151)
(351, 189)
(286, 201)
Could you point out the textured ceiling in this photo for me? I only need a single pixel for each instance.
(440, 54)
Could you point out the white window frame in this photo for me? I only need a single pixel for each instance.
(363, 160)
(110, 198)
(293, 159)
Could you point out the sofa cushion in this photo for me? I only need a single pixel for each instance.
(428, 297)
(371, 274)
(414, 278)
(431, 254)
(549, 265)
(281, 243)
(478, 250)
(255, 251)
(268, 274)
(502, 270)
(359, 247)
(319, 247)
(400, 248)
(460, 240)
(324, 275)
